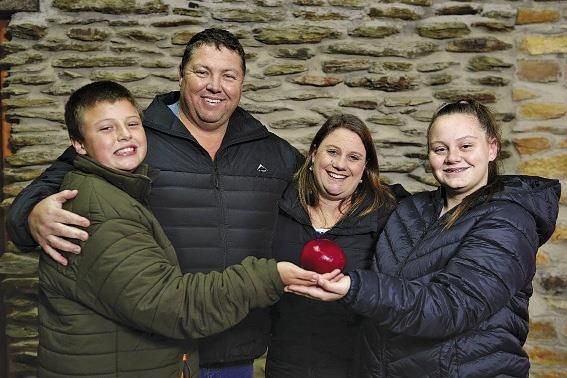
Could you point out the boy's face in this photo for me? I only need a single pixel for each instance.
(113, 135)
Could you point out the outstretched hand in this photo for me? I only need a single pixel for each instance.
(330, 287)
(50, 224)
(291, 274)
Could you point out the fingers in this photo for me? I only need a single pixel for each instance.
(70, 218)
(62, 229)
(65, 195)
(303, 281)
(55, 255)
(339, 288)
(52, 226)
(54, 209)
(291, 274)
(333, 276)
(51, 209)
(313, 292)
(62, 244)
(305, 277)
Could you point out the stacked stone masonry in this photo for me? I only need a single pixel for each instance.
(392, 63)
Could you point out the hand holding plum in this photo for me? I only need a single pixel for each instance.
(291, 274)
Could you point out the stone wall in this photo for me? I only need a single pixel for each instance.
(389, 62)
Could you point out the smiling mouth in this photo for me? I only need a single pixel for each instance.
(125, 151)
(336, 176)
(212, 100)
(455, 170)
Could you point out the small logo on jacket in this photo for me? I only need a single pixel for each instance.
(261, 168)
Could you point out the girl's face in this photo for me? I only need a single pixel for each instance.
(459, 153)
(338, 164)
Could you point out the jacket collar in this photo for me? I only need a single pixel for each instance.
(136, 184)
(242, 127)
(351, 225)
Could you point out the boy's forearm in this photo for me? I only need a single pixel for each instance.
(43, 186)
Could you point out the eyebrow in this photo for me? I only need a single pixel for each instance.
(114, 119)
(338, 148)
(200, 65)
(459, 139)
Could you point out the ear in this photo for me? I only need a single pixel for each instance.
(312, 155)
(79, 147)
(492, 149)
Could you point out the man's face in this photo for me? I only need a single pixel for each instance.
(113, 135)
(211, 86)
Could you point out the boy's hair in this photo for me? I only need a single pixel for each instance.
(88, 96)
(213, 37)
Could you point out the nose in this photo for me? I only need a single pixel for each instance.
(123, 132)
(453, 156)
(214, 83)
(339, 162)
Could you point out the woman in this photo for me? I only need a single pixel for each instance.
(450, 293)
(336, 195)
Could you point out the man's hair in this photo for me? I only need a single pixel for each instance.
(212, 37)
(89, 96)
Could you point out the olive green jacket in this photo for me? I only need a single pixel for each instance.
(122, 308)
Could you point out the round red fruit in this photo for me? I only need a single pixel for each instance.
(322, 256)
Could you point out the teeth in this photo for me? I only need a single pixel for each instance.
(334, 175)
(125, 151)
(212, 101)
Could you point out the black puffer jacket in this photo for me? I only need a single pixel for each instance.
(310, 334)
(217, 212)
(214, 212)
(454, 303)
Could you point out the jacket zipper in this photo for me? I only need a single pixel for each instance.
(221, 212)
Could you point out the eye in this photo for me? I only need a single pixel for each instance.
(354, 158)
(230, 76)
(105, 128)
(133, 124)
(332, 152)
(439, 150)
(201, 73)
(467, 146)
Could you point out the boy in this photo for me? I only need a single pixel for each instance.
(122, 307)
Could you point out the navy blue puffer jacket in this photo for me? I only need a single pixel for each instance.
(454, 302)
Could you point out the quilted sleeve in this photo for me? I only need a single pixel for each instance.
(125, 276)
(494, 261)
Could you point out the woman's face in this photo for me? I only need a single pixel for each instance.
(338, 164)
(459, 153)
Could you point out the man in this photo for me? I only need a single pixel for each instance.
(221, 175)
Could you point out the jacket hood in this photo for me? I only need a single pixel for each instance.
(241, 125)
(539, 196)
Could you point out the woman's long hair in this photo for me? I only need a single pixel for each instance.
(370, 193)
(489, 125)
